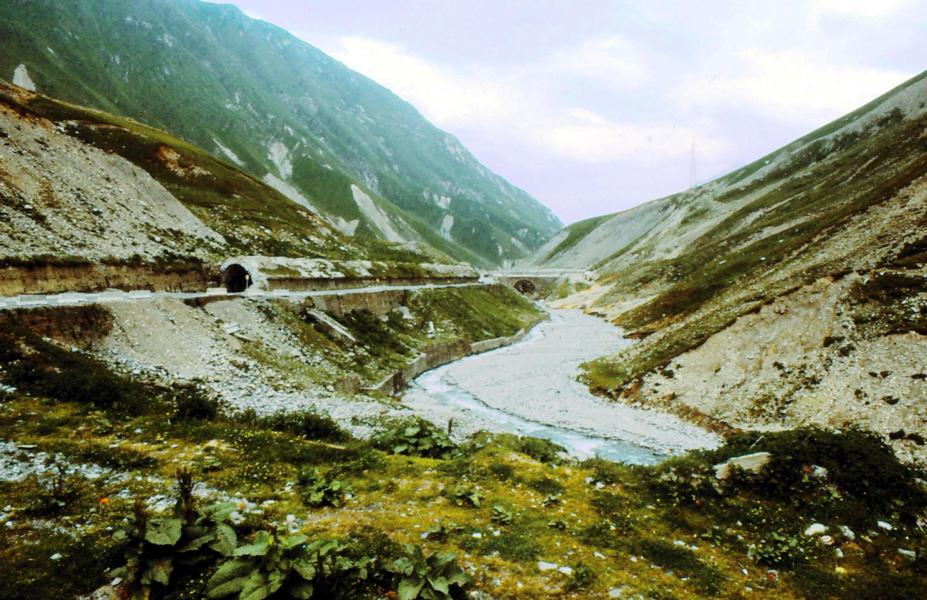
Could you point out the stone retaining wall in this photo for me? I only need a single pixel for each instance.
(379, 302)
(439, 354)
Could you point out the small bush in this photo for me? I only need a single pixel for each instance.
(541, 450)
(546, 486)
(73, 377)
(57, 490)
(467, 496)
(319, 490)
(778, 549)
(193, 402)
(605, 471)
(706, 578)
(416, 437)
(306, 424)
(435, 577)
(503, 471)
(512, 544)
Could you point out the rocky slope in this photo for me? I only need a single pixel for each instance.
(258, 97)
(84, 185)
(790, 291)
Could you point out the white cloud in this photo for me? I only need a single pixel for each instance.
(445, 95)
(516, 102)
(867, 9)
(584, 136)
(612, 60)
(794, 86)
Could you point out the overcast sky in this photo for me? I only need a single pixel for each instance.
(593, 106)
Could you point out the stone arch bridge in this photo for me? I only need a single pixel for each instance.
(534, 282)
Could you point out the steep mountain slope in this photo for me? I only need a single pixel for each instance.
(791, 290)
(282, 110)
(89, 200)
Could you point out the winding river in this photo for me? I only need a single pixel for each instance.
(530, 388)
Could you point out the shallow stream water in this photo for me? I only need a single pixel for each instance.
(530, 388)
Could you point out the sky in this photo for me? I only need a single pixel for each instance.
(595, 106)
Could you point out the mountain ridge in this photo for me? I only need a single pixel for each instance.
(257, 96)
(769, 296)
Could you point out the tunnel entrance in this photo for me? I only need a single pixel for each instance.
(525, 286)
(237, 279)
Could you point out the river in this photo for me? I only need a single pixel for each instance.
(530, 388)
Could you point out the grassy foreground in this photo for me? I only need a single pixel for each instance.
(182, 498)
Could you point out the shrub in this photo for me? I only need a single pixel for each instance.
(503, 471)
(416, 437)
(546, 485)
(435, 577)
(467, 496)
(192, 401)
(514, 543)
(605, 471)
(541, 450)
(581, 578)
(860, 465)
(777, 549)
(58, 490)
(319, 490)
(706, 578)
(288, 567)
(161, 550)
(502, 515)
(306, 424)
(66, 376)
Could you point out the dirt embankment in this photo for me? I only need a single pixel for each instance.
(806, 358)
(52, 279)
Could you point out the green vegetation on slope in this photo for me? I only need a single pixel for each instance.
(575, 233)
(767, 246)
(211, 75)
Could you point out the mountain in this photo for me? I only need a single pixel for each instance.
(256, 96)
(792, 290)
(92, 200)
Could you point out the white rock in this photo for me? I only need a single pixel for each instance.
(56, 556)
(752, 463)
(569, 571)
(847, 532)
(818, 471)
(546, 566)
(827, 540)
(815, 529)
(884, 525)
(907, 553)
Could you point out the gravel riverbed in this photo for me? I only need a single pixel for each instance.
(531, 388)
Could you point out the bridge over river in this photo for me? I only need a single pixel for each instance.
(531, 281)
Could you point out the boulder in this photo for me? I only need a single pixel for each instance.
(753, 463)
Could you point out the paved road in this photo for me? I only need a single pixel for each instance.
(78, 299)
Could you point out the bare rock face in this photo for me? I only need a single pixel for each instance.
(752, 463)
(64, 198)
